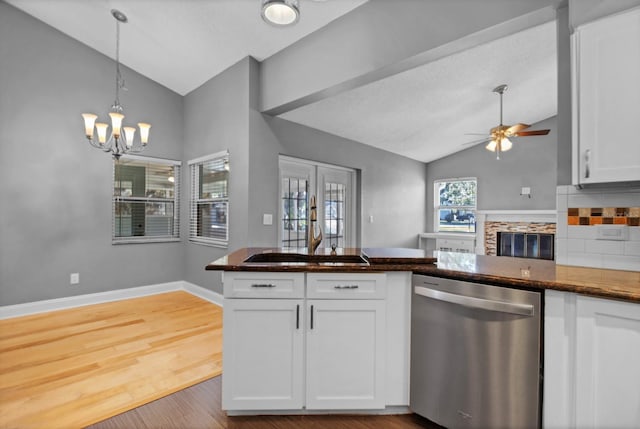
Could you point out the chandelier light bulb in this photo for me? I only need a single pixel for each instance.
(129, 133)
(102, 132)
(89, 121)
(144, 132)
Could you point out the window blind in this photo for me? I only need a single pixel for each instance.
(146, 196)
(209, 212)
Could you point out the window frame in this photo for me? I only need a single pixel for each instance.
(437, 207)
(175, 237)
(195, 199)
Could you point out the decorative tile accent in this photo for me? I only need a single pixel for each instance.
(603, 215)
(491, 230)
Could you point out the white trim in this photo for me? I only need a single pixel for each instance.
(295, 160)
(28, 308)
(204, 158)
(151, 159)
(206, 294)
(518, 215)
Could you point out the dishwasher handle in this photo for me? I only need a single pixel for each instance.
(469, 301)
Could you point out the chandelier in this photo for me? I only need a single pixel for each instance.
(121, 140)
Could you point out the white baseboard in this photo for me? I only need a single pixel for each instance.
(28, 308)
(206, 294)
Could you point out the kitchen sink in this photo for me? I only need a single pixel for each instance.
(284, 257)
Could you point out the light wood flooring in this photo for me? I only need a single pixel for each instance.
(71, 368)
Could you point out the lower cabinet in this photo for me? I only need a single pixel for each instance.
(592, 356)
(295, 350)
(263, 354)
(345, 354)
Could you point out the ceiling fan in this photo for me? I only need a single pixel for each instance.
(498, 137)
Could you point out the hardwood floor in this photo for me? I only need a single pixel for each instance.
(72, 368)
(199, 407)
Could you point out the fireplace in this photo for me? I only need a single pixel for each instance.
(491, 222)
(525, 245)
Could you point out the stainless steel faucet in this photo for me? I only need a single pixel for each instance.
(313, 242)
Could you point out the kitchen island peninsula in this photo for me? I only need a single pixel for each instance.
(332, 332)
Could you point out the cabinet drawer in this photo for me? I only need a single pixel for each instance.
(346, 286)
(239, 284)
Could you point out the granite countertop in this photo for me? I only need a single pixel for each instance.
(512, 272)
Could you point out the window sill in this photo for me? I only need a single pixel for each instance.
(145, 240)
(221, 245)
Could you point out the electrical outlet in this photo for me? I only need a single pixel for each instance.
(74, 278)
(525, 272)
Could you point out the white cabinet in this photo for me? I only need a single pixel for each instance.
(263, 354)
(346, 341)
(591, 373)
(607, 364)
(345, 354)
(606, 99)
(285, 352)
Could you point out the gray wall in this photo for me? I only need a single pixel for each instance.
(583, 11)
(217, 118)
(392, 186)
(55, 213)
(531, 162)
(564, 97)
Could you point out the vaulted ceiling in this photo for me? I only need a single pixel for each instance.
(423, 112)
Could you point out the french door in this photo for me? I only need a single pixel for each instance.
(334, 189)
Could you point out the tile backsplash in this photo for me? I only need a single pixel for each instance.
(603, 216)
(580, 211)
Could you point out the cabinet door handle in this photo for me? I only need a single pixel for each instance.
(312, 317)
(263, 285)
(587, 160)
(346, 287)
(298, 316)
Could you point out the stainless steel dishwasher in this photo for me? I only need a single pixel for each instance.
(475, 354)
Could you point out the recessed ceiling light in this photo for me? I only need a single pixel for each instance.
(280, 12)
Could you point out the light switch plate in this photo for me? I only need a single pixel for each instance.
(267, 219)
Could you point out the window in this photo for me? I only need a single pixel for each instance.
(334, 188)
(455, 205)
(145, 199)
(210, 200)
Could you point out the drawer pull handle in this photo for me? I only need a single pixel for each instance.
(298, 316)
(312, 317)
(346, 287)
(262, 285)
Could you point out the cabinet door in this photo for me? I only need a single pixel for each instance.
(345, 354)
(263, 354)
(607, 100)
(607, 364)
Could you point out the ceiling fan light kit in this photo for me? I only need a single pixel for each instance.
(498, 139)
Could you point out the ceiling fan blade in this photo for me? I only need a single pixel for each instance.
(513, 129)
(531, 133)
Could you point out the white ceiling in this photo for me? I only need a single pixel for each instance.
(422, 113)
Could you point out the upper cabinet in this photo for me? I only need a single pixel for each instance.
(606, 99)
